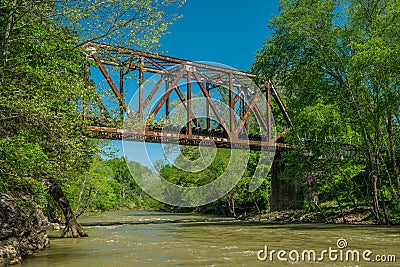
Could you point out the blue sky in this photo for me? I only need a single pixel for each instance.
(223, 31)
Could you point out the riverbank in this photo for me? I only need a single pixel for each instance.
(23, 231)
(325, 215)
(356, 216)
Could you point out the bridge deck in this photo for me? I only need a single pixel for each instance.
(155, 136)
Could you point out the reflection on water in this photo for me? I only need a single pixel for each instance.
(137, 238)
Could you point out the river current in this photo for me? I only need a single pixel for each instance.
(140, 238)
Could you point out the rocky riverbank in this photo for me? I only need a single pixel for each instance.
(23, 231)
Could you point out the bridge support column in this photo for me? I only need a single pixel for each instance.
(285, 195)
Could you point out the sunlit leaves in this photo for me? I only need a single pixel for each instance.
(21, 164)
(42, 79)
(338, 63)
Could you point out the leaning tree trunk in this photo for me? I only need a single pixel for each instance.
(59, 197)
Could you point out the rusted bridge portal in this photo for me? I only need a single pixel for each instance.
(175, 100)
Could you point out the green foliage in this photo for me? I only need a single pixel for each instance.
(136, 24)
(107, 185)
(337, 62)
(39, 93)
(239, 200)
(125, 173)
(95, 189)
(193, 178)
(22, 164)
(42, 88)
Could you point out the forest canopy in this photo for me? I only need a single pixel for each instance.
(44, 145)
(336, 63)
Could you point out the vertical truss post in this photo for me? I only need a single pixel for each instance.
(189, 104)
(121, 91)
(242, 107)
(141, 88)
(212, 105)
(269, 119)
(208, 122)
(167, 108)
(231, 108)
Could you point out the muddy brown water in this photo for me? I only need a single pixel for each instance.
(139, 238)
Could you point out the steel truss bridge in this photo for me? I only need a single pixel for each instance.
(158, 84)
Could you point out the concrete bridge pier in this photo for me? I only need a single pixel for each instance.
(285, 195)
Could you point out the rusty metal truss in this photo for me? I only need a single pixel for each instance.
(224, 128)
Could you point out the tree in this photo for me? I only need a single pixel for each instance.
(238, 199)
(337, 61)
(39, 101)
(42, 85)
(135, 24)
(130, 192)
(95, 189)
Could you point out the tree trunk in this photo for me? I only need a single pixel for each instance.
(233, 206)
(392, 148)
(385, 213)
(71, 223)
(378, 181)
(340, 206)
(377, 213)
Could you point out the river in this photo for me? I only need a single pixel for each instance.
(140, 238)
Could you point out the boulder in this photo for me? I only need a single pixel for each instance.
(9, 251)
(23, 230)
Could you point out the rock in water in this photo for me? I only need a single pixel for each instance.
(22, 231)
